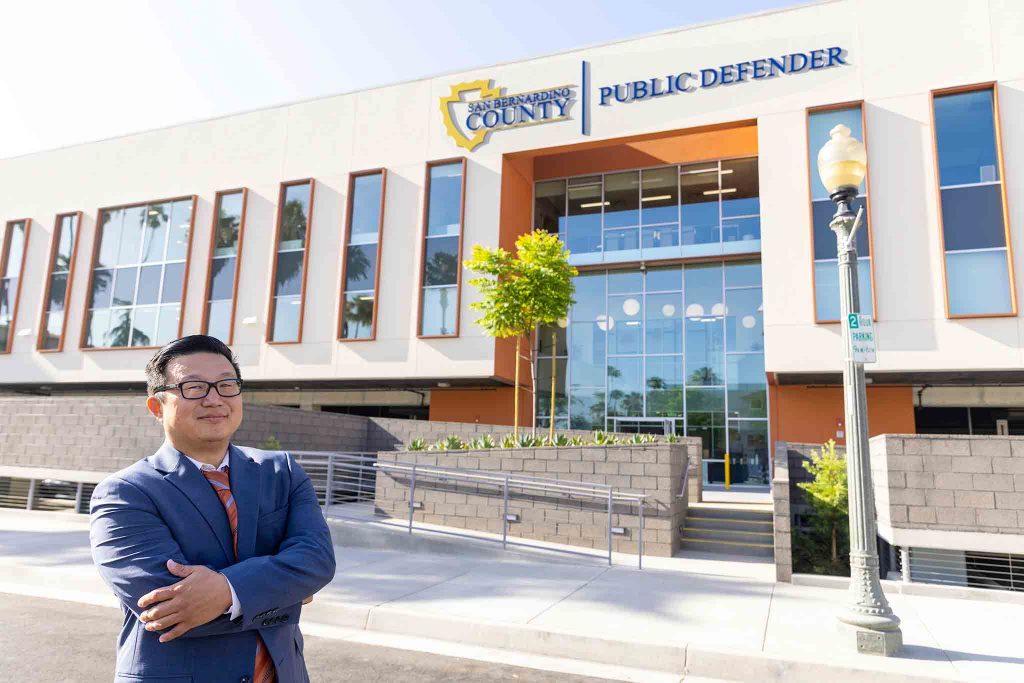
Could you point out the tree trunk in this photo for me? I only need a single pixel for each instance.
(554, 369)
(515, 402)
(532, 360)
(835, 548)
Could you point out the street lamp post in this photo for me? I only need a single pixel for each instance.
(842, 164)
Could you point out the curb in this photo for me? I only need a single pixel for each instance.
(678, 658)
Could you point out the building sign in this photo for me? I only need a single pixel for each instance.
(727, 74)
(475, 109)
(862, 338)
(470, 120)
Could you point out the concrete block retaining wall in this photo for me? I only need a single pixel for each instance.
(655, 470)
(110, 432)
(103, 433)
(949, 483)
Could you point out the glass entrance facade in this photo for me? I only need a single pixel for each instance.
(683, 342)
(667, 348)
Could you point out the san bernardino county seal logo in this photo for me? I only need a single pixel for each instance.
(470, 120)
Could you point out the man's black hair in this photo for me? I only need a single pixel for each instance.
(156, 368)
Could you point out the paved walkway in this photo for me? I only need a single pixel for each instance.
(732, 627)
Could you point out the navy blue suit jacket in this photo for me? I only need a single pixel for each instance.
(161, 508)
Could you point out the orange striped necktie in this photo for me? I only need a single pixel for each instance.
(263, 671)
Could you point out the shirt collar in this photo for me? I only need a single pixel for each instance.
(205, 467)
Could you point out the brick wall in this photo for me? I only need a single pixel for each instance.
(949, 483)
(654, 470)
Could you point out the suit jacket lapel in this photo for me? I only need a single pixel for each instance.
(245, 485)
(191, 482)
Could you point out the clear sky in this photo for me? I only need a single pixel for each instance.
(74, 71)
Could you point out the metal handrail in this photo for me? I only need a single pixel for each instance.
(351, 477)
(595, 491)
(523, 482)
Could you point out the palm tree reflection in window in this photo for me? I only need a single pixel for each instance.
(442, 269)
(227, 229)
(293, 230)
(623, 403)
(293, 222)
(156, 224)
(664, 399)
(121, 333)
(358, 318)
(705, 376)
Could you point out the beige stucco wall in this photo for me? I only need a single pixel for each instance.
(897, 53)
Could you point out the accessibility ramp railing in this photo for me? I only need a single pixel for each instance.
(346, 485)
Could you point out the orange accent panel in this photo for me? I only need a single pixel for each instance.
(679, 147)
(808, 414)
(516, 216)
(486, 406)
(521, 169)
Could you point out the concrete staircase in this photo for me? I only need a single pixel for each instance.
(729, 529)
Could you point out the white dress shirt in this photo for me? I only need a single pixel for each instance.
(236, 608)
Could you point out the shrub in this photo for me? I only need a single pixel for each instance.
(672, 438)
(603, 438)
(577, 441)
(825, 547)
(486, 441)
(453, 443)
(559, 440)
(509, 441)
(529, 441)
(417, 445)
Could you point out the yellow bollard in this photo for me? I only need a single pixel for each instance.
(727, 477)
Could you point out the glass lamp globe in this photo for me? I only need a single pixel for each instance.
(842, 161)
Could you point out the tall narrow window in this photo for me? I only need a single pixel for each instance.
(64, 246)
(978, 263)
(826, 262)
(13, 244)
(360, 270)
(225, 257)
(137, 283)
(291, 261)
(441, 276)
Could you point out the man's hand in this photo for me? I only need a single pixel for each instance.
(201, 596)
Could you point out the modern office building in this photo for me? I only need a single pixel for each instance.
(323, 239)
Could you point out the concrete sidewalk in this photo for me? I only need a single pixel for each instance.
(669, 620)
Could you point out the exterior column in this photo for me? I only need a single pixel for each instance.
(867, 606)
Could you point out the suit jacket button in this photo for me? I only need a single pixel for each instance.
(244, 679)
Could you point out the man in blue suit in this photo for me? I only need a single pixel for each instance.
(210, 547)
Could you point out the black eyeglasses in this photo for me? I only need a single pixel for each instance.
(196, 389)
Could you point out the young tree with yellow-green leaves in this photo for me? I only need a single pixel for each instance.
(521, 291)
